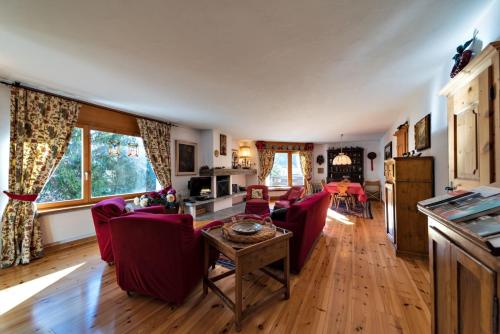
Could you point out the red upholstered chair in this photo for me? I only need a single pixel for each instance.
(158, 255)
(257, 206)
(102, 212)
(291, 196)
(306, 220)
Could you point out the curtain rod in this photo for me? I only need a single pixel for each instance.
(20, 85)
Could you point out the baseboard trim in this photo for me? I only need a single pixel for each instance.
(61, 245)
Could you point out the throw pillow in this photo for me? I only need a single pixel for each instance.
(257, 194)
(279, 214)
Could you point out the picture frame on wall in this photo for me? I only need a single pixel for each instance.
(388, 151)
(423, 133)
(186, 158)
(223, 144)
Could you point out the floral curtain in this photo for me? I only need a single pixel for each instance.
(266, 161)
(306, 165)
(156, 137)
(40, 130)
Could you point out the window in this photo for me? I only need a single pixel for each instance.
(66, 182)
(122, 173)
(100, 163)
(286, 170)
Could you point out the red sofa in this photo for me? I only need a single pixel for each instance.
(306, 220)
(291, 196)
(102, 212)
(159, 255)
(257, 206)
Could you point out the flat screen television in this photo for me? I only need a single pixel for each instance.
(196, 184)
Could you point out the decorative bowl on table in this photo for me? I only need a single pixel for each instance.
(246, 227)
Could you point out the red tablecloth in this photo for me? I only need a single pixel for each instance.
(354, 189)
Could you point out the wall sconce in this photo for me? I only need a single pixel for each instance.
(245, 156)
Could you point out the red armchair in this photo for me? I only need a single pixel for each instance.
(102, 212)
(291, 196)
(306, 220)
(257, 206)
(158, 255)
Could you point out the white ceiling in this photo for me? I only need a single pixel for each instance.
(301, 70)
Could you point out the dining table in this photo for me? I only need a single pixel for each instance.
(354, 188)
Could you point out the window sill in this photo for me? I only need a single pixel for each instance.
(279, 188)
(45, 211)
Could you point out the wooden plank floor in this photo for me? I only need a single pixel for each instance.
(352, 283)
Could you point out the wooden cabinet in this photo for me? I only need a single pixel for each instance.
(354, 171)
(463, 288)
(408, 181)
(473, 120)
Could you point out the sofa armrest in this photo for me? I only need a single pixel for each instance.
(157, 209)
(283, 197)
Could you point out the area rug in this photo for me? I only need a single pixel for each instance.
(359, 210)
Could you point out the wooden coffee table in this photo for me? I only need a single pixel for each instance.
(247, 258)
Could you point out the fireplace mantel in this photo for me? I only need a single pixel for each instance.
(227, 171)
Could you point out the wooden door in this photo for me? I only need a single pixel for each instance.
(390, 224)
(473, 295)
(440, 271)
(470, 133)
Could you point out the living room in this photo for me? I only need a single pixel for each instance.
(247, 167)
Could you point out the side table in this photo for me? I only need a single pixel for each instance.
(247, 258)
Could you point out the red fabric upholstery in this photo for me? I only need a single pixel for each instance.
(291, 196)
(159, 255)
(152, 209)
(257, 206)
(102, 212)
(306, 220)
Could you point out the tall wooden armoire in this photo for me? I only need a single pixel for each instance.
(408, 181)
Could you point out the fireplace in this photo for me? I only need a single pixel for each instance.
(222, 185)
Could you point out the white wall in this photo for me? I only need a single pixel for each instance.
(427, 100)
(190, 135)
(369, 146)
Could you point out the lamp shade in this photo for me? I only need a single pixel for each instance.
(342, 159)
(244, 152)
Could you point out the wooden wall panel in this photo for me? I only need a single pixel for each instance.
(108, 120)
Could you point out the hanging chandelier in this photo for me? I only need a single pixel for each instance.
(341, 158)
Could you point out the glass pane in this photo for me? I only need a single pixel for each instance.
(116, 169)
(297, 177)
(279, 173)
(66, 182)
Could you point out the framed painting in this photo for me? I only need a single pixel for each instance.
(423, 133)
(186, 160)
(388, 151)
(223, 144)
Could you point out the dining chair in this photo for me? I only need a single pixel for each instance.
(343, 195)
(373, 189)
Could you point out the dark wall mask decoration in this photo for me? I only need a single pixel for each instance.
(320, 159)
